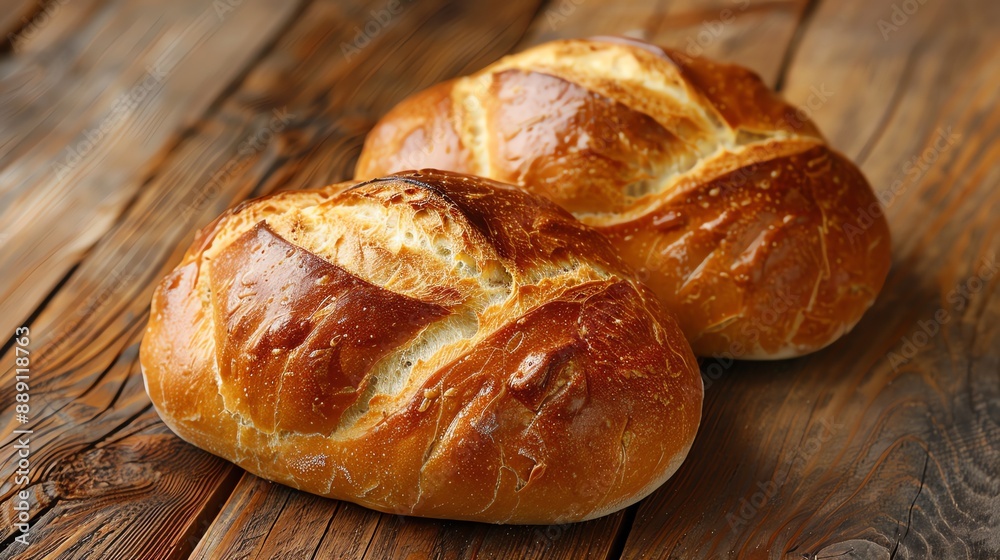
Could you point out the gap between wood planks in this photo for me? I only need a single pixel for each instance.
(30, 319)
(890, 110)
(793, 45)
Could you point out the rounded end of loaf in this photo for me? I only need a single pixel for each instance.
(775, 259)
(424, 344)
(414, 135)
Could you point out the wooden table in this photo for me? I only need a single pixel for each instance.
(126, 125)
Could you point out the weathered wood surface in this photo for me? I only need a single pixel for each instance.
(885, 445)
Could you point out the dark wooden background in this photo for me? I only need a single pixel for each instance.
(125, 125)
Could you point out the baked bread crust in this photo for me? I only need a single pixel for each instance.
(426, 344)
(726, 200)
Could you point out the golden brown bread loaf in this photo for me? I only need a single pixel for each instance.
(425, 344)
(726, 200)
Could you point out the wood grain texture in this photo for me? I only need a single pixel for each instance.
(116, 481)
(886, 445)
(89, 104)
(753, 33)
(266, 520)
(296, 525)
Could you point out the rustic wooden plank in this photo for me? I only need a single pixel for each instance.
(887, 444)
(401, 537)
(748, 32)
(116, 481)
(752, 33)
(265, 520)
(89, 106)
(292, 536)
(598, 538)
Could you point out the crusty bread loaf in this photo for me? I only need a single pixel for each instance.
(726, 200)
(427, 344)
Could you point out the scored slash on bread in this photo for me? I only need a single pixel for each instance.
(725, 199)
(428, 344)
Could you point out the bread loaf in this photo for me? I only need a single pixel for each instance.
(426, 344)
(765, 242)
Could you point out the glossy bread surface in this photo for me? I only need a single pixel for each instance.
(427, 344)
(765, 242)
